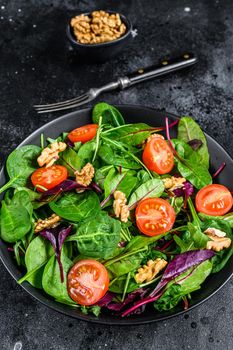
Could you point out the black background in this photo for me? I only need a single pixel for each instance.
(37, 65)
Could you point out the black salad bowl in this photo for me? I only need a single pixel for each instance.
(104, 51)
(131, 114)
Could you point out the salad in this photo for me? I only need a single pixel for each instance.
(112, 216)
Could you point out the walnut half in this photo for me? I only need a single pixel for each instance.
(218, 241)
(120, 207)
(148, 272)
(85, 176)
(50, 222)
(49, 155)
(171, 183)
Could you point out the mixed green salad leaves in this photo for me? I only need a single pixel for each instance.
(101, 220)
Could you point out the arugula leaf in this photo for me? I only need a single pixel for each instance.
(76, 207)
(189, 130)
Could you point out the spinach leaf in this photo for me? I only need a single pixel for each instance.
(109, 114)
(151, 188)
(76, 207)
(183, 285)
(51, 280)
(118, 157)
(143, 176)
(20, 165)
(33, 196)
(126, 264)
(38, 252)
(70, 159)
(22, 198)
(191, 167)
(189, 130)
(98, 237)
(15, 222)
(131, 134)
(86, 152)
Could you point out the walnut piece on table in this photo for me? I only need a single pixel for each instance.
(85, 175)
(120, 207)
(49, 155)
(51, 222)
(218, 241)
(149, 271)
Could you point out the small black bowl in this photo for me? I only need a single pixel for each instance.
(104, 51)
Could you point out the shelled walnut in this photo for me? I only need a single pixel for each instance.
(49, 155)
(171, 183)
(50, 222)
(148, 272)
(218, 241)
(98, 27)
(85, 175)
(120, 207)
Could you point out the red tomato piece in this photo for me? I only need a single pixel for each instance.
(83, 134)
(49, 177)
(214, 200)
(87, 282)
(158, 156)
(154, 216)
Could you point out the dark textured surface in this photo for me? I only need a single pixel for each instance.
(37, 66)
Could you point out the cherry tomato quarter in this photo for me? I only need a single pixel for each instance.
(158, 156)
(214, 200)
(87, 282)
(83, 134)
(154, 216)
(49, 177)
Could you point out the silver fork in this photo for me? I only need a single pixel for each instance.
(142, 74)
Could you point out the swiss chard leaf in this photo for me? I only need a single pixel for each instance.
(51, 280)
(131, 134)
(76, 207)
(151, 188)
(191, 167)
(189, 130)
(98, 237)
(110, 114)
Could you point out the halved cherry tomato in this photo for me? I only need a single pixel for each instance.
(83, 134)
(214, 200)
(154, 216)
(88, 282)
(49, 177)
(157, 155)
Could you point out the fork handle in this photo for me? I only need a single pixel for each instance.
(164, 68)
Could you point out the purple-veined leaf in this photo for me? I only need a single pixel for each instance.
(195, 144)
(57, 236)
(185, 191)
(64, 186)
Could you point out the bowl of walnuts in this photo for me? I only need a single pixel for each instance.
(99, 35)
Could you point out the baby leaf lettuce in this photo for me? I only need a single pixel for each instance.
(183, 285)
(98, 236)
(189, 130)
(76, 207)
